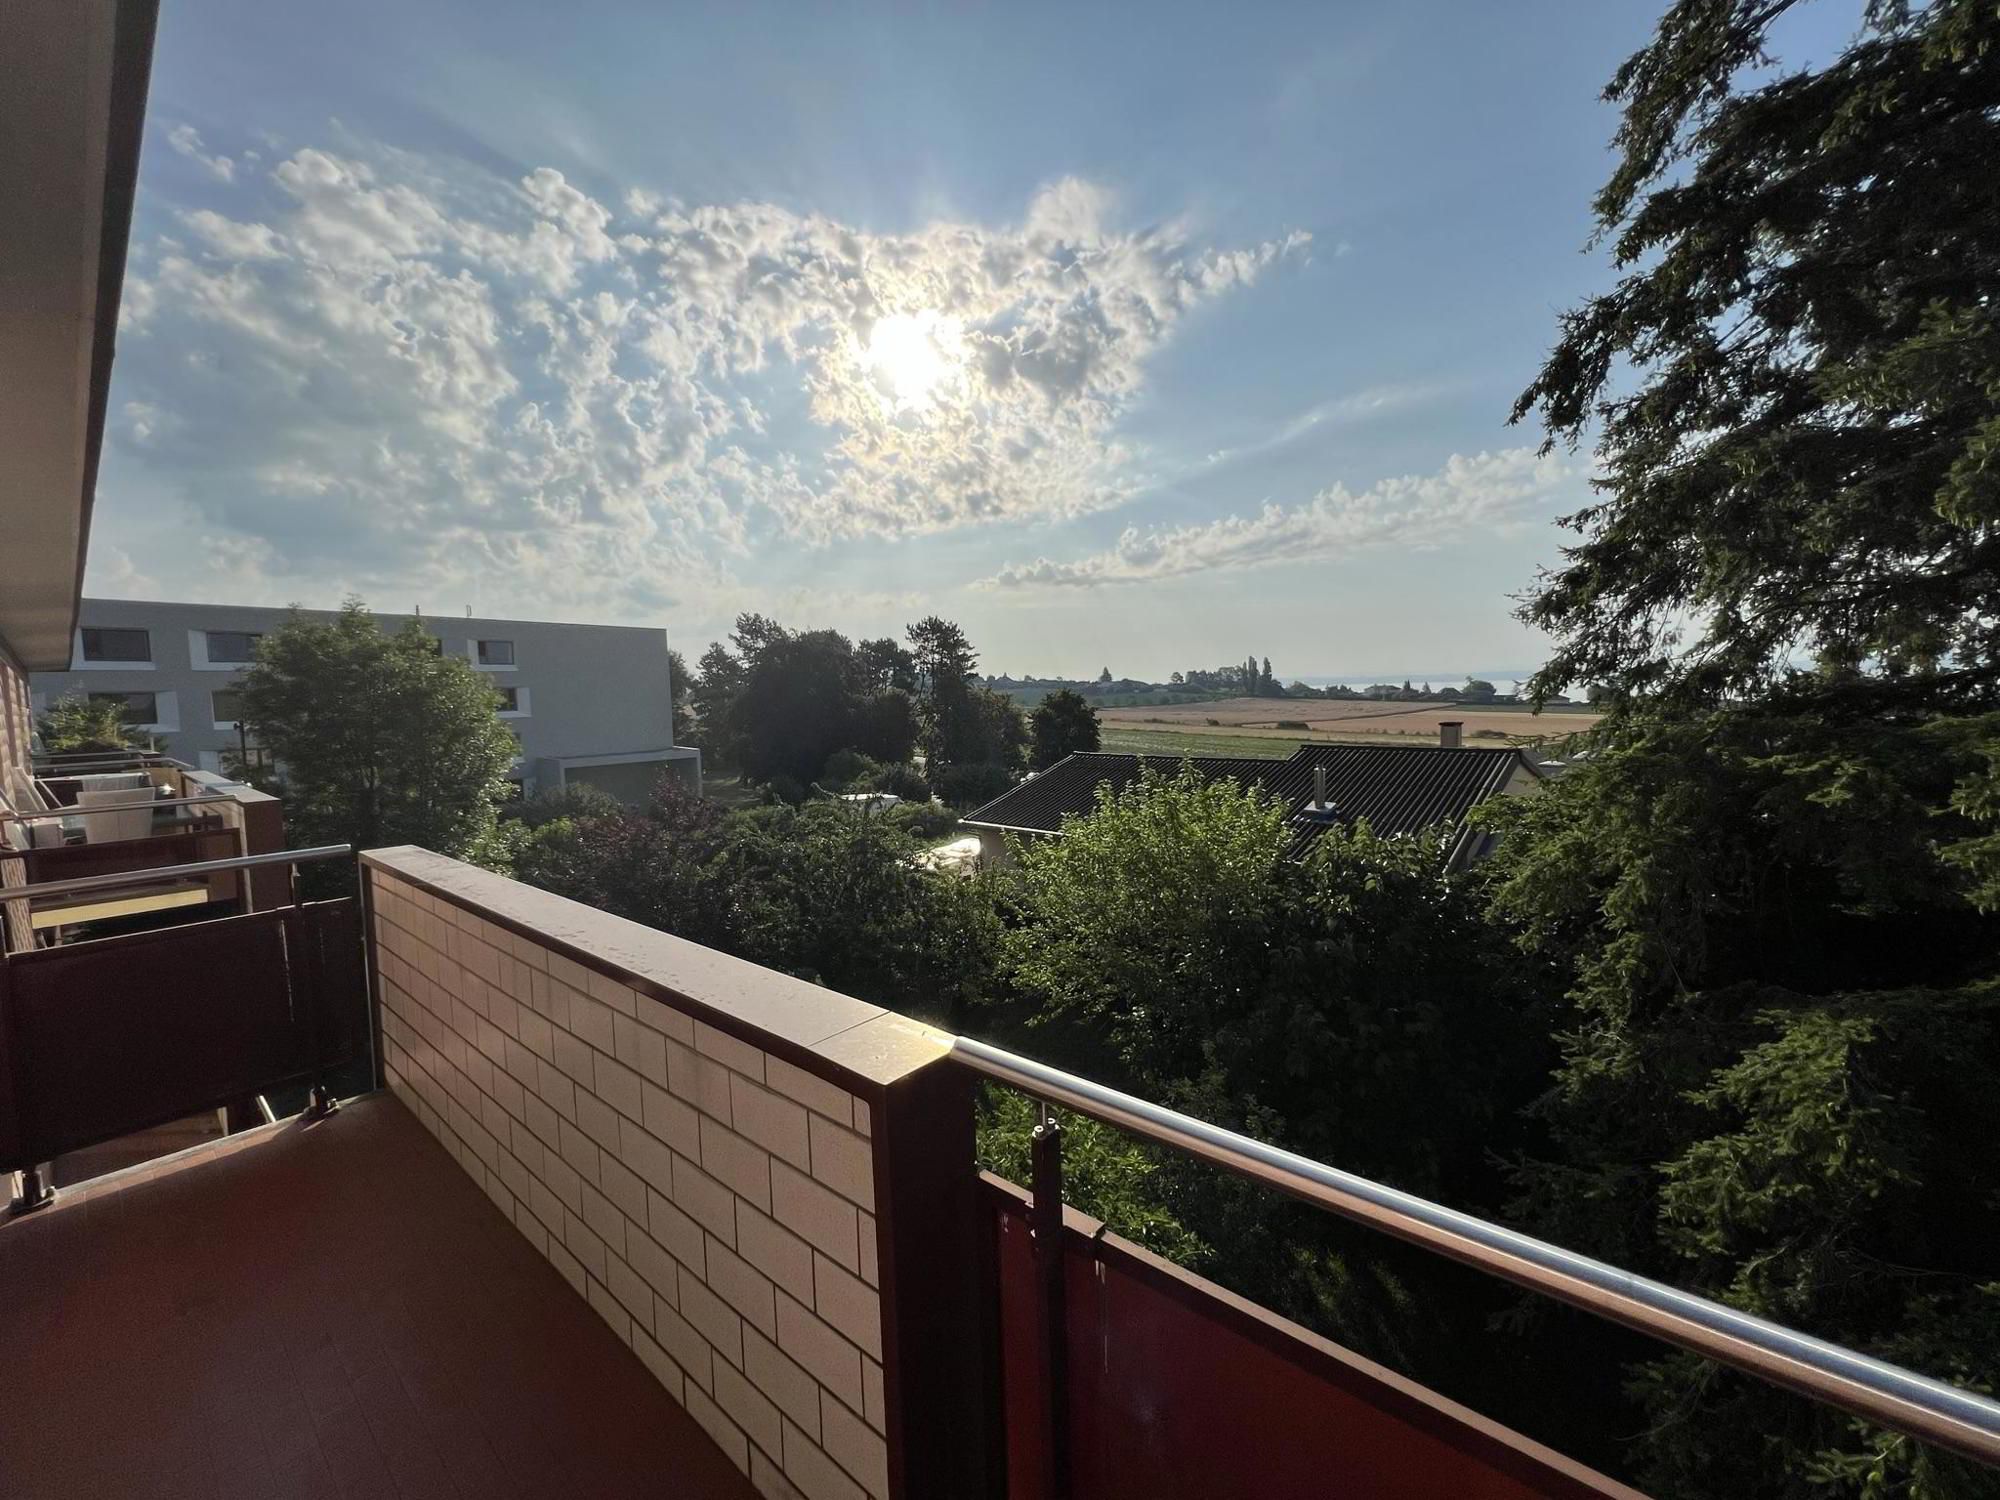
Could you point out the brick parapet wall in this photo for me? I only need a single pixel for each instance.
(710, 1188)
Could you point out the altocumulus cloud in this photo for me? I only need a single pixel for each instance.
(416, 367)
(1482, 494)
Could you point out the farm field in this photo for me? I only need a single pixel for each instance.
(1247, 721)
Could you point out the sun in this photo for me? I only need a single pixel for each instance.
(910, 355)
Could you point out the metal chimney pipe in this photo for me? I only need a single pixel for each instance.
(1451, 733)
(1319, 787)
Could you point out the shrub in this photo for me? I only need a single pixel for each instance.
(1293, 724)
(846, 769)
(974, 783)
(901, 780)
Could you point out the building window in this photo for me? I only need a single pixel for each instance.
(510, 700)
(228, 706)
(496, 653)
(137, 708)
(233, 646)
(117, 645)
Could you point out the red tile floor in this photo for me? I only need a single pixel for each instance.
(325, 1310)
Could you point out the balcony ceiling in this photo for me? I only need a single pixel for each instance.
(70, 120)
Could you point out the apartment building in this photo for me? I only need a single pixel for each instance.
(590, 704)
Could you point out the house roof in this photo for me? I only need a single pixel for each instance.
(1396, 789)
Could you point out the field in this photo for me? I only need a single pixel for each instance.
(1250, 726)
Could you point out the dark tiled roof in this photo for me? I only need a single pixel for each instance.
(1397, 789)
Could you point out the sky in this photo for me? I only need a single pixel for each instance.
(1140, 336)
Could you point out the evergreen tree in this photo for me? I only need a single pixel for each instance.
(1768, 886)
(1062, 724)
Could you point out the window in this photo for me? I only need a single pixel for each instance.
(233, 646)
(117, 645)
(496, 653)
(247, 760)
(138, 708)
(510, 699)
(228, 706)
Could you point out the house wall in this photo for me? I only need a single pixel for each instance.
(584, 690)
(16, 719)
(729, 1199)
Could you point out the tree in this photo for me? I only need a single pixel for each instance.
(683, 689)
(1062, 724)
(379, 738)
(1267, 684)
(1167, 945)
(1105, 675)
(1477, 690)
(822, 891)
(75, 722)
(885, 664)
(1769, 885)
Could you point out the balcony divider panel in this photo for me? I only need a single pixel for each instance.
(106, 1037)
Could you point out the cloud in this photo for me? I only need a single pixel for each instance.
(401, 367)
(187, 141)
(1485, 494)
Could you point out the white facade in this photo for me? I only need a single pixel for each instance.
(589, 703)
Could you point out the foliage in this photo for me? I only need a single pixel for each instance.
(1767, 883)
(380, 738)
(1167, 944)
(899, 780)
(960, 722)
(579, 800)
(971, 785)
(75, 722)
(684, 690)
(1811, 271)
(1062, 724)
(1105, 1173)
(824, 891)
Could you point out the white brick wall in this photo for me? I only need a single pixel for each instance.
(714, 1203)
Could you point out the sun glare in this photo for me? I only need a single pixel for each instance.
(907, 354)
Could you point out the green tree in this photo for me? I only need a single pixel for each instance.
(1167, 944)
(1062, 724)
(684, 689)
(75, 722)
(1768, 883)
(379, 738)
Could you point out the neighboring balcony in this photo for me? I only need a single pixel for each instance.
(79, 817)
(629, 1216)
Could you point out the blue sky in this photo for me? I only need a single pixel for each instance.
(1145, 336)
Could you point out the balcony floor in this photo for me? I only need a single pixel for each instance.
(317, 1311)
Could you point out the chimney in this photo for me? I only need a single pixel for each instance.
(1319, 787)
(1451, 733)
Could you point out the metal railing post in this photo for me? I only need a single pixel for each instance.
(306, 975)
(1045, 1218)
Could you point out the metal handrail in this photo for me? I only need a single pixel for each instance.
(121, 879)
(1947, 1415)
(78, 812)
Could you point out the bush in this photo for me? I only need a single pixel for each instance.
(969, 785)
(924, 820)
(901, 780)
(1293, 724)
(578, 803)
(846, 769)
(1215, 722)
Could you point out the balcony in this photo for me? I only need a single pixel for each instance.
(74, 818)
(626, 1215)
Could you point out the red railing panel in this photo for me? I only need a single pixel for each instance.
(1178, 1387)
(103, 1038)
